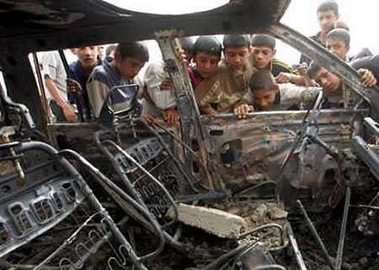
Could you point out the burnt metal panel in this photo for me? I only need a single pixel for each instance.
(256, 147)
(371, 125)
(36, 210)
(368, 153)
(42, 25)
(31, 206)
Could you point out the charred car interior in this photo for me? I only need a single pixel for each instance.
(276, 190)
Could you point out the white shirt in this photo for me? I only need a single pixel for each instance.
(162, 99)
(52, 66)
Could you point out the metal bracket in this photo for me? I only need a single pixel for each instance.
(191, 127)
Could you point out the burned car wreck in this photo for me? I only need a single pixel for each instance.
(217, 193)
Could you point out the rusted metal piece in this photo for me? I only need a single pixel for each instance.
(191, 128)
(249, 151)
(149, 175)
(341, 241)
(150, 171)
(5, 142)
(224, 258)
(316, 235)
(53, 193)
(172, 135)
(298, 256)
(41, 86)
(270, 267)
(367, 154)
(309, 118)
(88, 194)
(105, 181)
(371, 125)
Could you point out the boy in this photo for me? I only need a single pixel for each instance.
(159, 99)
(335, 92)
(81, 70)
(220, 92)
(262, 57)
(338, 43)
(327, 14)
(206, 57)
(128, 60)
(267, 95)
(55, 77)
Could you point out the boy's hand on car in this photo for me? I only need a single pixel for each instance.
(367, 79)
(242, 110)
(171, 116)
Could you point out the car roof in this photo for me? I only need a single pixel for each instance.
(34, 25)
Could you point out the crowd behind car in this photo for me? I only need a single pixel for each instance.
(238, 75)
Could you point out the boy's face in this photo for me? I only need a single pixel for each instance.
(326, 20)
(337, 47)
(128, 67)
(87, 56)
(206, 64)
(236, 57)
(262, 55)
(264, 98)
(101, 51)
(330, 83)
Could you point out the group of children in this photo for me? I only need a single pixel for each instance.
(238, 76)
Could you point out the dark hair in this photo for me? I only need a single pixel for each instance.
(109, 49)
(187, 43)
(328, 5)
(207, 44)
(313, 69)
(236, 41)
(340, 34)
(262, 79)
(263, 40)
(133, 49)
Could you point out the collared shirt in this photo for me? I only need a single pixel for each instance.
(52, 67)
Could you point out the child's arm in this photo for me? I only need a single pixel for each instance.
(291, 94)
(368, 79)
(308, 95)
(207, 109)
